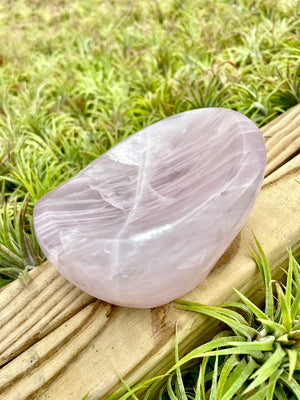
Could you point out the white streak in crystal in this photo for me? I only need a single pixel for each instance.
(152, 233)
(141, 181)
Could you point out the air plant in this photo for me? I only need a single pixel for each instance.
(257, 359)
(19, 251)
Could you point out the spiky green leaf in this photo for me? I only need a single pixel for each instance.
(263, 373)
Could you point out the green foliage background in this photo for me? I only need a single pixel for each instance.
(77, 77)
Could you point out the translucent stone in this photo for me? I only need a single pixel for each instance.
(146, 221)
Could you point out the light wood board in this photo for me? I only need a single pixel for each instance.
(58, 343)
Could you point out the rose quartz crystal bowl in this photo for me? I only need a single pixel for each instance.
(146, 221)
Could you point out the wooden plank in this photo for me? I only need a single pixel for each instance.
(30, 313)
(58, 342)
(282, 138)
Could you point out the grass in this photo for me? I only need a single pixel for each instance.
(77, 77)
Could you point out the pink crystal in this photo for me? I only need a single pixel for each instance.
(145, 222)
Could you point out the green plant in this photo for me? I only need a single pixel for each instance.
(19, 251)
(259, 358)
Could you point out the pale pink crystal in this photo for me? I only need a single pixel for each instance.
(145, 222)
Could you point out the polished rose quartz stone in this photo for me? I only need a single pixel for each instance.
(145, 222)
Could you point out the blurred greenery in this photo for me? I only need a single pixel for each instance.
(77, 77)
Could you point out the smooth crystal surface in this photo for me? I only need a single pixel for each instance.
(146, 221)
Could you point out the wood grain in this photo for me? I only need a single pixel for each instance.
(282, 138)
(58, 343)
(28, 313)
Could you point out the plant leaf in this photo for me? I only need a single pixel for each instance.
(260, 394)
(292, 384)
(200, 387)
(255, 310)
(267, 369)
(203, 350)
(214, 383)
(237, 327)
(239, 377)
(242, 307)
(272, 384)
(170, 389)
(229, 364)
(265, 271)
(264, 344)
(289, 281)
(280, 393)
(295, 305)
(178, 372)
(285, 309)
(273, 327)
(293, 356)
